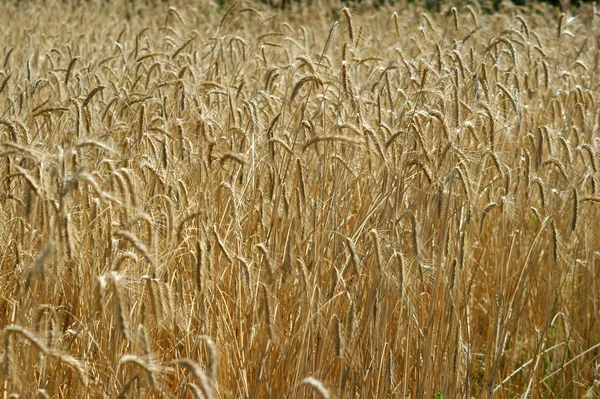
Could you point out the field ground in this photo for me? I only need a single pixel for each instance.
(246, 202)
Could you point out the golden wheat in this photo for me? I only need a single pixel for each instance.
(252, 201)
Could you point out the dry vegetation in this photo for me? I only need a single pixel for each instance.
(249, 202)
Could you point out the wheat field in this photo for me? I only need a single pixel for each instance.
(241, 201)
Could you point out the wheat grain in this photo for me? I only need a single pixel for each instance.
(334, 138)
(69, 68)
(316, 385)
(137, 244)
(306, 79)
(267, 311)
(455, 18)
(348, 17)
(122, 324)
(591, 155)
(196, 371)
(353, 255)
(560, 25)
